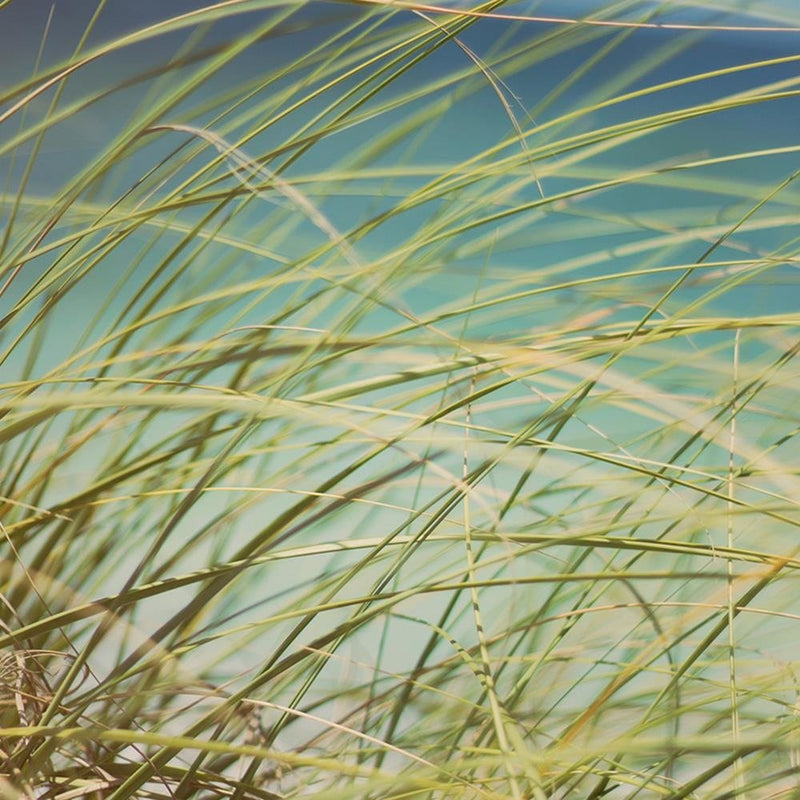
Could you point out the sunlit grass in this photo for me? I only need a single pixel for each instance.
(400, 402)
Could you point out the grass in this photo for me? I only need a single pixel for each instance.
(399, 401)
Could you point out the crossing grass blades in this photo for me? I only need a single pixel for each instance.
(399, 400)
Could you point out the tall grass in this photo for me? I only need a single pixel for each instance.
(399, 401)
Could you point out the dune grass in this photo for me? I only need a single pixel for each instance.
(399, 401)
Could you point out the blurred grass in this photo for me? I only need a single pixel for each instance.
(400, 402)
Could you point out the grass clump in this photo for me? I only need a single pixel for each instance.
(399, 401)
